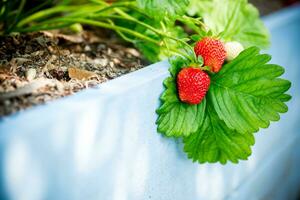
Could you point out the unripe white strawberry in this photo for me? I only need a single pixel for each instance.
(233, 49)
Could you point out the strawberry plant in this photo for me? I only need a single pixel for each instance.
(221, 89)
(245, 93)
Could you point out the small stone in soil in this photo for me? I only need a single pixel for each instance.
(30, 74)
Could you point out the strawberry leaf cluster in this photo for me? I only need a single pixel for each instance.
(246, 95)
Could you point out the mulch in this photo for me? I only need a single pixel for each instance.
(42, 66)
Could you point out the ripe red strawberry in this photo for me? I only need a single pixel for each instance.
(212, 51)
(192, 84)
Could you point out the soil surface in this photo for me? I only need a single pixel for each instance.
(42, 66)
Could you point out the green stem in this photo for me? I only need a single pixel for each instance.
(161, 34)
(121, 34)
(196, 21)
(114, 27)
(42, 27)
(18, 13)
(105, 16)
(112, 6)
(22, 4)
(129, 4)
(50, 11)
(164, 39)
(94, 23)
(130, 18)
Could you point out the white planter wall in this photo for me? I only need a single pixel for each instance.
(102, 143)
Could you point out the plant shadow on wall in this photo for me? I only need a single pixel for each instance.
(221, 89)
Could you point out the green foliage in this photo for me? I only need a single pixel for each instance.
(160, 9)
(247, 93)
(234, 20)
(243, 97)
(215, 142)
(11, 12)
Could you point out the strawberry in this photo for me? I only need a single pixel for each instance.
(212, 51)
(192, 83)
(233, 49)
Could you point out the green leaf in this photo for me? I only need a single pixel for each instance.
(196, 7)
(247, 93)
(158, 9)
(234, 20)
(175, 117)
(215, 142)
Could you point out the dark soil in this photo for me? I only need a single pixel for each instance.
(38, 67)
